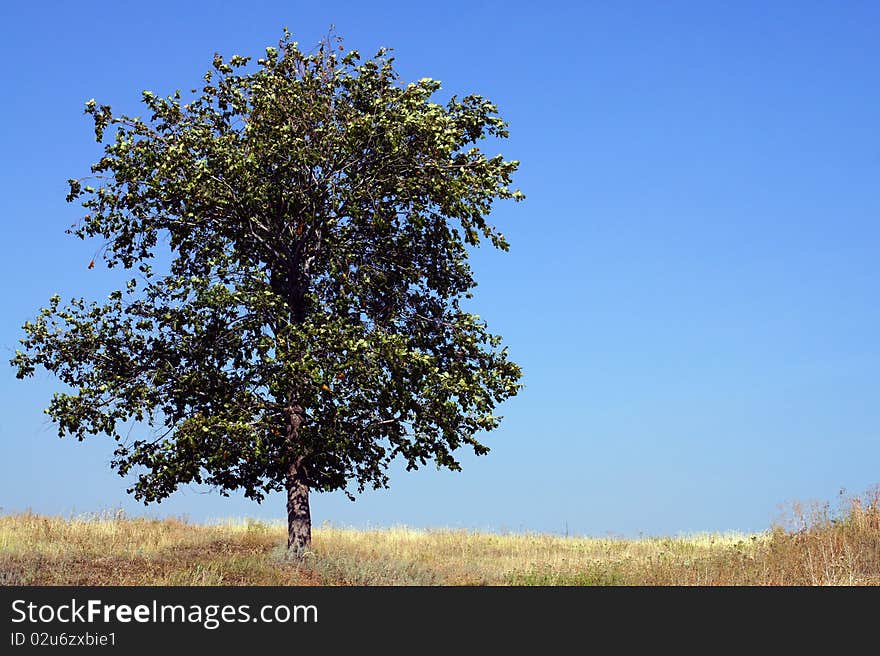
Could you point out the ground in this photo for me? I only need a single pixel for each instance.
(818, 547)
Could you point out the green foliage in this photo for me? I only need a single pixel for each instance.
(318, 214)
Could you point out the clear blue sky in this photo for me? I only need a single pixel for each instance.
(693, 281)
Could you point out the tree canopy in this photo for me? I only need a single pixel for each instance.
(295, 239)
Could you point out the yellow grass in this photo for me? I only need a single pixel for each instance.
(817, 548)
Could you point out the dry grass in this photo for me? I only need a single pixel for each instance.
(113, 550)
(815, 547)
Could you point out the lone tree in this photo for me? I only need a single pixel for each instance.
(312, 215)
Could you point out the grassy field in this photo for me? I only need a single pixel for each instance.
(817, 547)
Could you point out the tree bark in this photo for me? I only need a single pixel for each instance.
(299, 517)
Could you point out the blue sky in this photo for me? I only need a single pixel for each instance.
(692, 284)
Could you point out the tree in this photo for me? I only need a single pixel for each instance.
(313, 215)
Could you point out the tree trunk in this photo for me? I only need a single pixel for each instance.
(299, 517)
